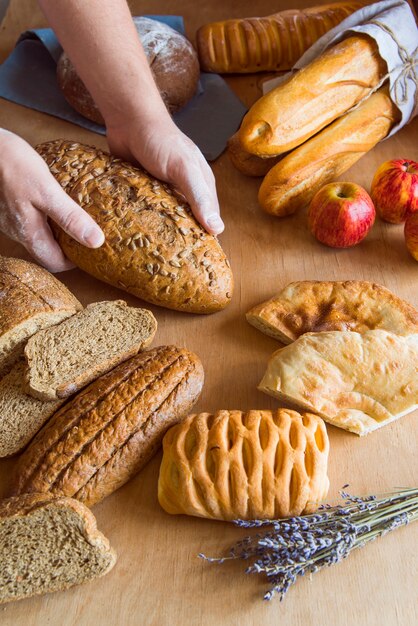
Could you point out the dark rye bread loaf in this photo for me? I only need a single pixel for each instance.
(106, 434)
(30, 299)
(171, 57)
(154, 247)
(47, 545)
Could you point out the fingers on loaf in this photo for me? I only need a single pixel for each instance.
(107, 433)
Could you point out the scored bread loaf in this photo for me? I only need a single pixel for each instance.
(154, 247)
(246, 163)
(292, 183)
(30, 299)
(271, 43)
(171, 57)
(101, 438)
(254, 465)
(21, 415)
(48, 545)
(63, 359)
(313, 97)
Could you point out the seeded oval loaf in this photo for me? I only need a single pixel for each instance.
(64, 359)
(172, 59)
(154, 247)
(30, 299)
(101, 438)
(48, 544)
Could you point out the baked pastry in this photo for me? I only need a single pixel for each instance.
(64, 359)
(235, 465)
(30, 299)
(106, 434)
(47, 545)
(154, 247)
(172, 59)
(313, 97)
(316, 305)
(359, 382)
(266, 44)
(21, 415)
(247, 163)
(292, 183)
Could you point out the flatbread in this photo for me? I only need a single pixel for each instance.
(316, 306)
(359, 382)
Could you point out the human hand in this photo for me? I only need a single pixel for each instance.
(164, 151)
(29, 194)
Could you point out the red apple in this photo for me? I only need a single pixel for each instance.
(394, 190)
(411, 234)
(341, 214)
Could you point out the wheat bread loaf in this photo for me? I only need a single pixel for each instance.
(105, 435)
(30, 299)
(313, 97)
(171, 57)
(63, 359)
(154, 247)
(21, 415)
(48, 545)
(266, 44)
(291, 184)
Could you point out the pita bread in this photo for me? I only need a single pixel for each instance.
(314, 306)
(355, 381)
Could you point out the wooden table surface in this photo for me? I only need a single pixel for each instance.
(158, 579)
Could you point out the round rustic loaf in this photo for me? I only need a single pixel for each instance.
(172, 59)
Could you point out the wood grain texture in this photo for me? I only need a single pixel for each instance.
(158, 580)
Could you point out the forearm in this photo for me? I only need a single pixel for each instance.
(102, 42)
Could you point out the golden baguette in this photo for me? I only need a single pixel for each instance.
(271, 43)
(246, 163)
(313, 98)
(293, 182)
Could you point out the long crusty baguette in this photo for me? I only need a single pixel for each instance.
(292, 183)
(246, 163)
(314, 97)
(47, 545)
(103, 436)
(154, 248)
(271, 43)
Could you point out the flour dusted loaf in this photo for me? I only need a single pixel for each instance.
(235, 465)
(30, 299)
(101, 438)
(311, 306)
(358, 382)
(313, 97)
(171, 57)
(291, 184)
(47, 545)
(154, 247)
(271, 43)
(63, 359)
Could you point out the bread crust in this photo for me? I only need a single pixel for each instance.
(312, 98)
(107, 433)
(31, 296)
(236, 465)
(246, 163)
(312, 306)
(266, 44)
(154, 247)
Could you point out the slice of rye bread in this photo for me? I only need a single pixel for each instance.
(47, 545)
(30, 299)
(21, 415)
(64, 359)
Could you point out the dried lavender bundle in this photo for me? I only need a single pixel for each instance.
(296, 546)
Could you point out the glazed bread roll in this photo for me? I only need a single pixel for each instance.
(246, 163)
(235, 465)
(313, 97)
(293, 182)
(271, 43)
